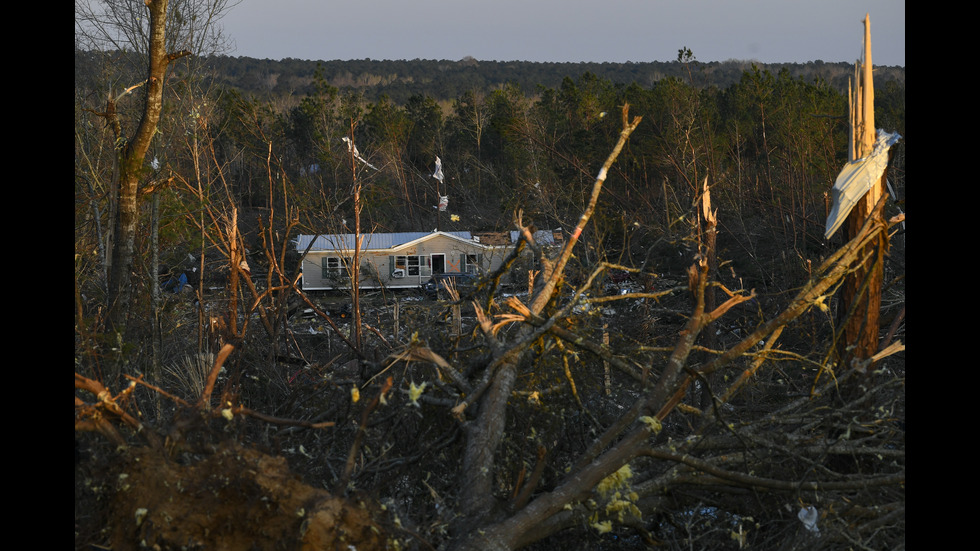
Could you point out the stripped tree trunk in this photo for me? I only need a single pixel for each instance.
(862, 288)
(131, 154)
(478, 504)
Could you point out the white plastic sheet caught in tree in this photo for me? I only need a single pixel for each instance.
(856, 179)
(438, 173)
(357, 155)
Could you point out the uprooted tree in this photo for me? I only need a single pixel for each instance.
(531, 428)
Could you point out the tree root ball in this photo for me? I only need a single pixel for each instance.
(233, 499)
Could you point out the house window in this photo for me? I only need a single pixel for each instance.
(413, 265)
(334, 267)
(471, 263)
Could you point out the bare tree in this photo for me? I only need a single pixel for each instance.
(161, 32)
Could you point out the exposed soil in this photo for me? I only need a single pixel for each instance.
(233, 499)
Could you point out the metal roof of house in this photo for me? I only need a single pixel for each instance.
(371, 241)
(545, 238)
(384, 241)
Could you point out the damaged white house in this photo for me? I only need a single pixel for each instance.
(406, 259)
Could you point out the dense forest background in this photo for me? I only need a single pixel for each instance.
(447, 80)
(509, 131)
(248, 153)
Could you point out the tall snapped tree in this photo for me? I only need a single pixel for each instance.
(861, 329)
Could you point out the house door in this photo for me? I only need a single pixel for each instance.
(438, 263)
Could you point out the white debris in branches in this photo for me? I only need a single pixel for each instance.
(856, 179)
(438, 173)
(808, 516)
(353, 150)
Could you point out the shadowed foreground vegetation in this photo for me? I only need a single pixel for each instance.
(670, 377)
